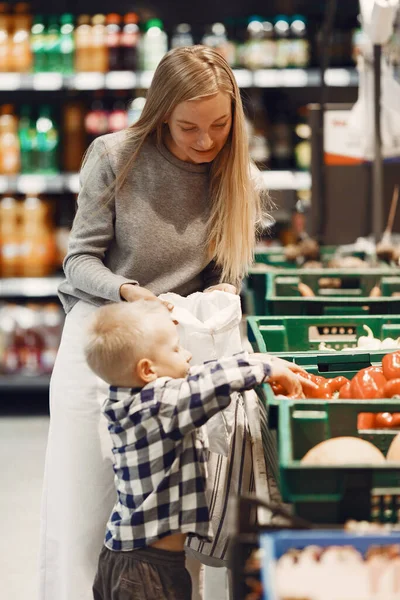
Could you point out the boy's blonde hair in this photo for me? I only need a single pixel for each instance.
(118, 336)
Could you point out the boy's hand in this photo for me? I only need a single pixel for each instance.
(287, 374)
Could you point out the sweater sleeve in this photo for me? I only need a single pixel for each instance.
(189, 403)
(93, 229)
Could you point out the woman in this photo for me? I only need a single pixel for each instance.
(168, 205)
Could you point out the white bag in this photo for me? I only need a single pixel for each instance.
(209, 329)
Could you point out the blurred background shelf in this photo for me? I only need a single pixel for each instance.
(126, 80)
(21, 383)
(29, 287)
(69, 182)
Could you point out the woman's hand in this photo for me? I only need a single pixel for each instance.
(131, 293)
(222, 287)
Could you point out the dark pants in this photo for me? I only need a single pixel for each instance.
(145, 574)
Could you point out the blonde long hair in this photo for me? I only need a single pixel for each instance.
(190, 73)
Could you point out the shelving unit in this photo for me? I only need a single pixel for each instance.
(125, 80)
(69, 182)
(29, 287)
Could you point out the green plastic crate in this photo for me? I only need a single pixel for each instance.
(275, 256)
(305, 334)
(331, 495)
(326, 364)
(344, 292)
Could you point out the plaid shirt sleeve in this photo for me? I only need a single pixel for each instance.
(187, 404)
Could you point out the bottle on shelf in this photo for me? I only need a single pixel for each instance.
(9, 143)
(83, 44)
(258, 131)
(99, 50)
(47, 142)
(51, 329)
(10, 238)
(38, 249)
(52, 46)
(67, 44)
(135, 109)
(5, 39)
(27, 140)
(153, 45)
(9, 340)
(118, 117)
(37, 40)
(259, 51)
(302, 147)
(21, 53)
(114, 47)
(182, 36)
(281, 142)
(130, 41)
(74, 139)
(283, 43)
(216, 37)
(96, 120)
(299, 43)
(32, 345)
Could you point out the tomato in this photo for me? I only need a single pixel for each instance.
(368, 384)
(366, 421)
(391, 365)
(345, 391)
(392, 388)
(337, 383)
(384, 420)
(396, 420)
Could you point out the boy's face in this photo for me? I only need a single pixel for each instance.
(169, 358)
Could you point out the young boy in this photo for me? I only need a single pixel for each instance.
(156, 407)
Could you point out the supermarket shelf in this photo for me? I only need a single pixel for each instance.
(16, 383)
(29, 287)
(287, 180)
(69, 183)
(126, 80)
(40, 184)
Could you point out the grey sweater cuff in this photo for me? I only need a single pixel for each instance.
(119, 280)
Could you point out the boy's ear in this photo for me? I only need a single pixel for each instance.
(145, 370)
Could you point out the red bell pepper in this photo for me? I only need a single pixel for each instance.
(345, 391)
(392, 388)
(366, 421)
(391, 365)
(337, 383)
(368, 384)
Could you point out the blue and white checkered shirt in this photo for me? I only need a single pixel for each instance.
(159, 451)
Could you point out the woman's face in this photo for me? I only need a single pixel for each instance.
(198, 129)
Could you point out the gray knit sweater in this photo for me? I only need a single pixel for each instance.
(153, 231)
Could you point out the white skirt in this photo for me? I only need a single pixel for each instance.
(79, 491)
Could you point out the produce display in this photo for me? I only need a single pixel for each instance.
(344, 450)
(368, 384)
(339, 573)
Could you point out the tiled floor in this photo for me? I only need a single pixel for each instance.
(22, 449)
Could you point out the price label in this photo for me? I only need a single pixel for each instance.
(267, 78)
(89, 81)
(72, 183)
(338, 77)
(121, 80)
(10, 81)
(145, 79)
(244, 77)
(47, 81)
(294, 78)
